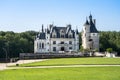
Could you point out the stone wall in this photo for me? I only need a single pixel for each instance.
(48, 55)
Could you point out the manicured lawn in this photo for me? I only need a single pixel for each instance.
(81, 73)
(75, 61)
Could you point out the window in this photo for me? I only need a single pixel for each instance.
(62, 36)
(93, 34)
(42, 45)
(62, 33)
(54, 36)
(70, 36)
(70, 42)
(90, 40)
(54, 48)
(54, 42)
(62, 42)
(70, 48)
(39, 45)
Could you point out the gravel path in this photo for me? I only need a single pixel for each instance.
(4, 65)
(61, 66)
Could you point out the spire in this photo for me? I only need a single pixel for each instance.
(90, 17)
(86, 23)
(42, 28)
(77, 30)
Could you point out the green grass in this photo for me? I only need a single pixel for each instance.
(75, 61)
(81, 73)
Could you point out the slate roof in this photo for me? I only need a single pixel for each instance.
(91, 24)
(41, 35)
(51, 29)
(86, 23)
(58, 29)
(93, 28)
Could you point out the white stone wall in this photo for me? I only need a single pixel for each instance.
(58, 44)
(95, 37)
(86, 35)
(76, 42)
(48, 44)
(38, 48)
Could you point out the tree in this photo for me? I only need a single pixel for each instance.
(81, 48)
(109, 50)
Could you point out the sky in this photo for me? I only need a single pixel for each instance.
(24, 15)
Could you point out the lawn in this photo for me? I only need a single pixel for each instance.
(79, 73)
(75, 61)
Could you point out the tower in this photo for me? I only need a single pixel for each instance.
(90, 35)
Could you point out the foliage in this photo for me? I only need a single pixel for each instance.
(75, 73)
(96, 50)
(15, 43)
(75, 61)
(81, 48)
(109, 50)
(110, 39)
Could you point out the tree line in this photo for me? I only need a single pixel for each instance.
(14, 43)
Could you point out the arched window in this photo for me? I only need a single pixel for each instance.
(62, 34)
(42, 45)
(54, 36)
(39, 45)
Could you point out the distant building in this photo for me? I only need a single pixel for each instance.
(90, 35)
(56, 39)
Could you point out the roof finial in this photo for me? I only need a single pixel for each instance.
(90, 17)
(86, 23)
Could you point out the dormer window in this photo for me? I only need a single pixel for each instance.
(62, 34)
(70, 36)
(54, 36)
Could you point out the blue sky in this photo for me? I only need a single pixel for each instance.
(24, 15)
